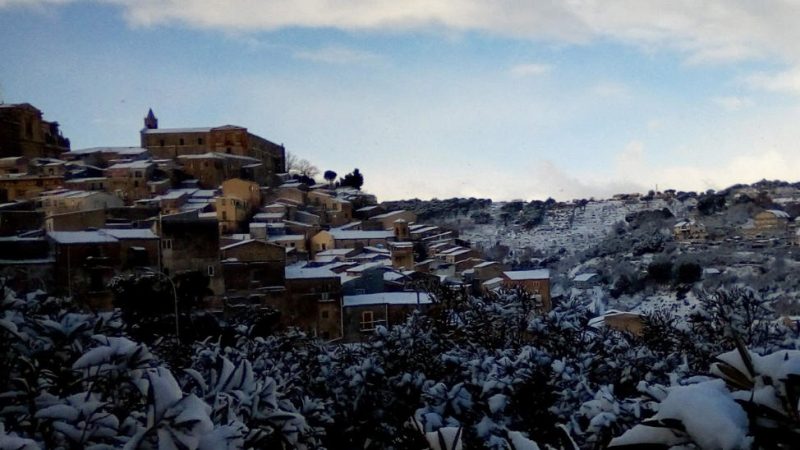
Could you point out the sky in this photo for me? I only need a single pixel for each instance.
(501, 99)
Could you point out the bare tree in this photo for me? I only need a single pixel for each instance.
(296, 165)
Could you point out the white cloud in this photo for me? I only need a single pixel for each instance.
(733, 103)
(337, 55)
(782, 82)
(710, 31)
(530, 70)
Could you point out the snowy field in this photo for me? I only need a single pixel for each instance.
(570, 227)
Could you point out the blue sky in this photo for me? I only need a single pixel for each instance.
(434, 98)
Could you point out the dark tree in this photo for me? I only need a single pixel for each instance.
(660, 271)
(353, 179)
(330, 176)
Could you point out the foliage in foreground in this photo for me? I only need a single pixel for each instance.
(477, 372)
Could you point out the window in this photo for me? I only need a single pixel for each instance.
(136, 183)
(224, 215)
(361, 291)
(161, 142)
(199, 141)
(367, 321)
(137, 174)
(210, 271)
(180, 141)
(324, 296)
(324, 314)
(166, 244)
(228, 150)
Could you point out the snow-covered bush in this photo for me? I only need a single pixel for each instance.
(752, 404)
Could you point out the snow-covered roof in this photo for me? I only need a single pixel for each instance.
(130, 233)
(268, 215)
(80, 237)
(335, 252)
(176, 130)
(373, 249)
(778, 213)
(132, 165)
(423, 229)
(387, 298)
(492, 281)
(389, 214)
(298, 272)
(237, 244)
(366, 266)
(583, 277)
(359, 234)
(518, 275)
(484, 264)
(287, 237)
(117, 150)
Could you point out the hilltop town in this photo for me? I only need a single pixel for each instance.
(204, 290)
(221, 204)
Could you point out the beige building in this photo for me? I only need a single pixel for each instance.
(689, 230)
(402, 255)
(232, 213)
(771, 221)
(290, 241)
(76, 220)
(533, 281)
(64, 201)
(211, 169)
(249, 191)
(26, 187)
(386, 221)
(128, 180)
(334, 238)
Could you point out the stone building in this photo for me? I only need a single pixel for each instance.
(128, 180)
(251, 266)
(26, 187)
(363, 313)
(314, 301)
(536, 282)
(191, 243)
(211, 169)
(23, 132)
(171, 143)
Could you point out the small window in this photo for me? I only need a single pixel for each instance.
(137, 174)
(136, 183)
(324, 296)
(324, 314)
(361, 291)
(166, 244)
(180, 141)
(199, 141)
(367, 321)
(161, 142)
(210, 271)
(228, 150)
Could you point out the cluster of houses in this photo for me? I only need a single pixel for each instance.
(764, 225)
(218, 201)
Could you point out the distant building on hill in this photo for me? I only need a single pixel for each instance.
(23, 132)
(534, 281)
(171, 143)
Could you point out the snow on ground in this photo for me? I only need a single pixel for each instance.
(570, 227)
